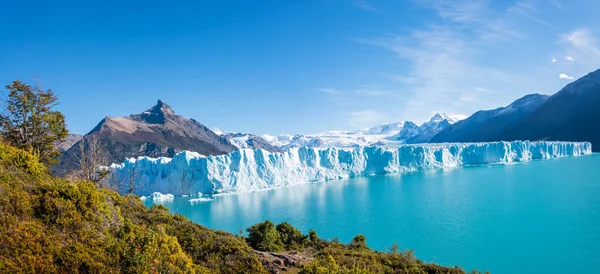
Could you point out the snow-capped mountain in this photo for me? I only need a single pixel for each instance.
(334, 138)
(245, 140)
(413, 134)
(387, 128)
(380, 135)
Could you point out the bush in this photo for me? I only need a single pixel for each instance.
(264, 237)
(359, 242)
(14, 158)
(290, 236)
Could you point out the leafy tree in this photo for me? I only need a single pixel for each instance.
(30, 123)
(264, 237)
(359, 241)
(290, 236)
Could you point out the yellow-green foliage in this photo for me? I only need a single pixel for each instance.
(49, 225)
(19, 159)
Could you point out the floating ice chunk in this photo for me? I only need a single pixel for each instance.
(200, 200)
(158, 197)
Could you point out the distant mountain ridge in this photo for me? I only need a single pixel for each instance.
(68, 142)
(485, 125)
(571, 114)
(413, 134)
(395, 133)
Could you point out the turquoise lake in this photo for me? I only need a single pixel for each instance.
(533, 217)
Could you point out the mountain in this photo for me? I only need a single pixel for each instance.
(413, 134)
(386, 128)
(245, 140)
(68, 142)
(157, 132)
(485, 125)
(572, 114)
(380, 135)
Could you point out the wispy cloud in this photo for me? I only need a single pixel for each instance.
(366, 118)
(478, 17)
(583, 46)
(529, 11)
(554, 60)
(331, 91)
(364, 5)
(379, 93)
(584, 41)
(565, 76)
(556, 3)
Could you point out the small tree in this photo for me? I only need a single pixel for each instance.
(312, 236)
(359, 242)
(30, 123)
(264, 237)
(92, 160)
(131, 185)
(290, 236)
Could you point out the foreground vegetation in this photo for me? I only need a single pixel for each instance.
(50, 225)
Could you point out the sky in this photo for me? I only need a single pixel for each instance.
(297, 66)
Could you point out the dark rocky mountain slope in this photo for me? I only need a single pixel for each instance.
(157, 132)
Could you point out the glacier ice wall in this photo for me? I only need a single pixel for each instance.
(248, 170)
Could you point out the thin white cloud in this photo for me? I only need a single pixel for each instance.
(583, 46)
(527, 10)
(478, 17)
(556, 3)
(554, 60)
(378, 93)
(366, 118)
(364, 5)
(582, 40)
(569, 58)
(331, 91)
(565, 76)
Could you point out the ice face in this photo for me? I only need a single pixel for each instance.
(249, 170)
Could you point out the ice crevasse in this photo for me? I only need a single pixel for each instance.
(249, 170)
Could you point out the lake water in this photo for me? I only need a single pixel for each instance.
(534, 217)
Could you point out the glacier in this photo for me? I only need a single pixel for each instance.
(249, 170)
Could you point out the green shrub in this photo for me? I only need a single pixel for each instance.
(290, 236)
(264, 237)
(14, 158)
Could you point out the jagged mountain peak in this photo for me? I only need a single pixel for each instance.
(158, 114)
(439, 117)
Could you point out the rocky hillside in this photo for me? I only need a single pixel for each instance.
(156, 132)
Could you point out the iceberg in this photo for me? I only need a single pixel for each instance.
(158, 197)
(249, 170)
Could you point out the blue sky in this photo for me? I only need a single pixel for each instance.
(296, 66)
